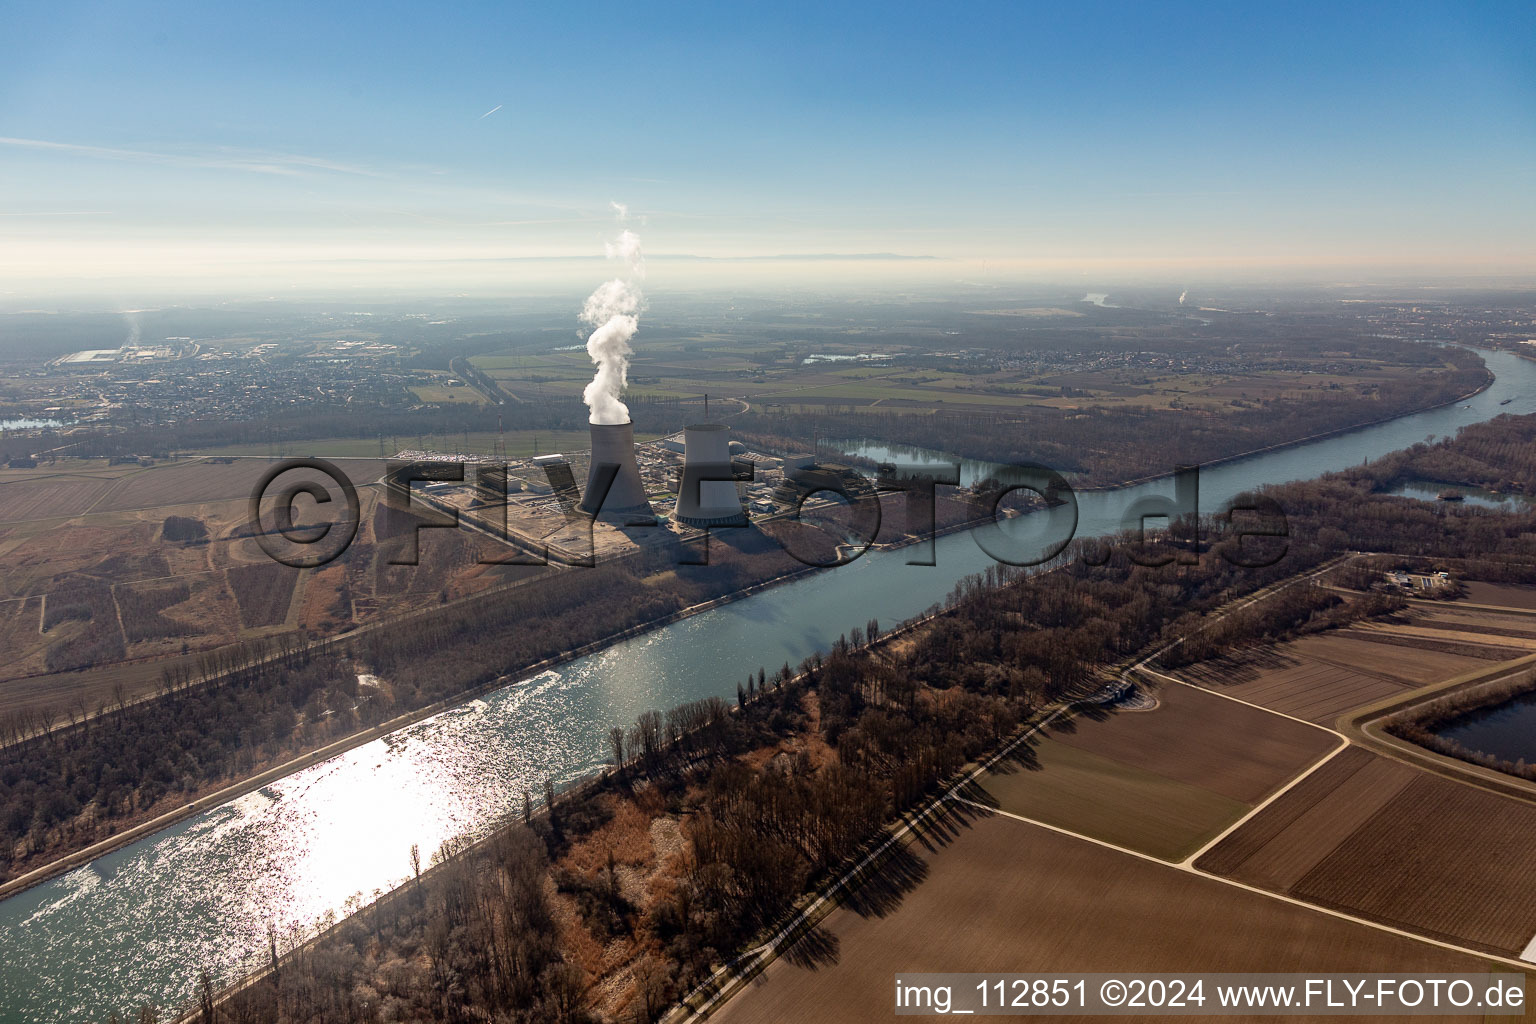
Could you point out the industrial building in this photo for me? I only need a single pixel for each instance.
(707, 494)
(615, 493)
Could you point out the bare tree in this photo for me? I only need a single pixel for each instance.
(616, 744)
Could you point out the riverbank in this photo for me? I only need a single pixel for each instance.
(587, 788)
(201, 892)
(1309, 439)
(234, 790)
(304, 759)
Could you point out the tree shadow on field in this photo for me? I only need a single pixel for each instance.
(1023, 757)
(944, 827)
(902, 868)
(1238, 667)
(814, 949)
(978, 794)
(899, 873)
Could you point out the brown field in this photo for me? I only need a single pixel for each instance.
(1113, 801)
(263, 591)
(1318, 678)
(1443, 857)
(1355, 650)
(1305, 833)
(1505, 594)
(194, 481)
(1483, 621)
(93, 487)
(1204, 740)
(19, 636)
(1303, 687)
(1006, 896)
(1373, 837)
(35, 497)
(1228, 857)
(1162, 782)
(1443, 631)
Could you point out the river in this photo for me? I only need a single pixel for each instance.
(140, 923)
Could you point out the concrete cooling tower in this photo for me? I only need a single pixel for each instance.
(613, 457)
(707, 493)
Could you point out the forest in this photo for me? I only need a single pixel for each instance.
(1104, 446)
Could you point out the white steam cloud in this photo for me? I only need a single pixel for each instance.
(131, 316)
(1183, 295)
(613, 311)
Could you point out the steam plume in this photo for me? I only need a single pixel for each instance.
(613, 310)
(1183, 295)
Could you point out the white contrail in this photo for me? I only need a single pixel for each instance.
(488, 113)
(613, 310)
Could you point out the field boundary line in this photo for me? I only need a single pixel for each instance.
(1502, 609)
(1344, 745)
(1238, 700)
(754, 961)
(1520, 965)
(1292, 783)
(1363, 727)
(725, 982)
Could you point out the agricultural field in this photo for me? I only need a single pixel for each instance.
(1320, 677)
(1378, 839)
(1502, 594)
(1464, 632)
(822, 370)
(91, 487)
(186, 482)
(104, 599)
(1162, 781)
(1108, 799)
(263, 591)
(515, 443)
(47, 493)
(1007, 896)
(439, 392)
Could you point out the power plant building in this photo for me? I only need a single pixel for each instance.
(707, 493)
(615, 493)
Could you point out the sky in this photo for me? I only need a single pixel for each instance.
(305, 144)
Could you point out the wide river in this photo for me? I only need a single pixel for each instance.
(139, 924)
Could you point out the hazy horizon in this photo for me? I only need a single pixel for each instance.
(176, 147)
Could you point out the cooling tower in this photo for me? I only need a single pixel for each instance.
(613, 458)
(707, 494)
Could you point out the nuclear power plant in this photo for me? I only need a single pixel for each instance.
(614, 491)
(706, 494)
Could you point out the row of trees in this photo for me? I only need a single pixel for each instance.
(1422, 724)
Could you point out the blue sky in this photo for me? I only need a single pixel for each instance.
(1137, 137)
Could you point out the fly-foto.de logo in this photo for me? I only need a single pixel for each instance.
(305, 513)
